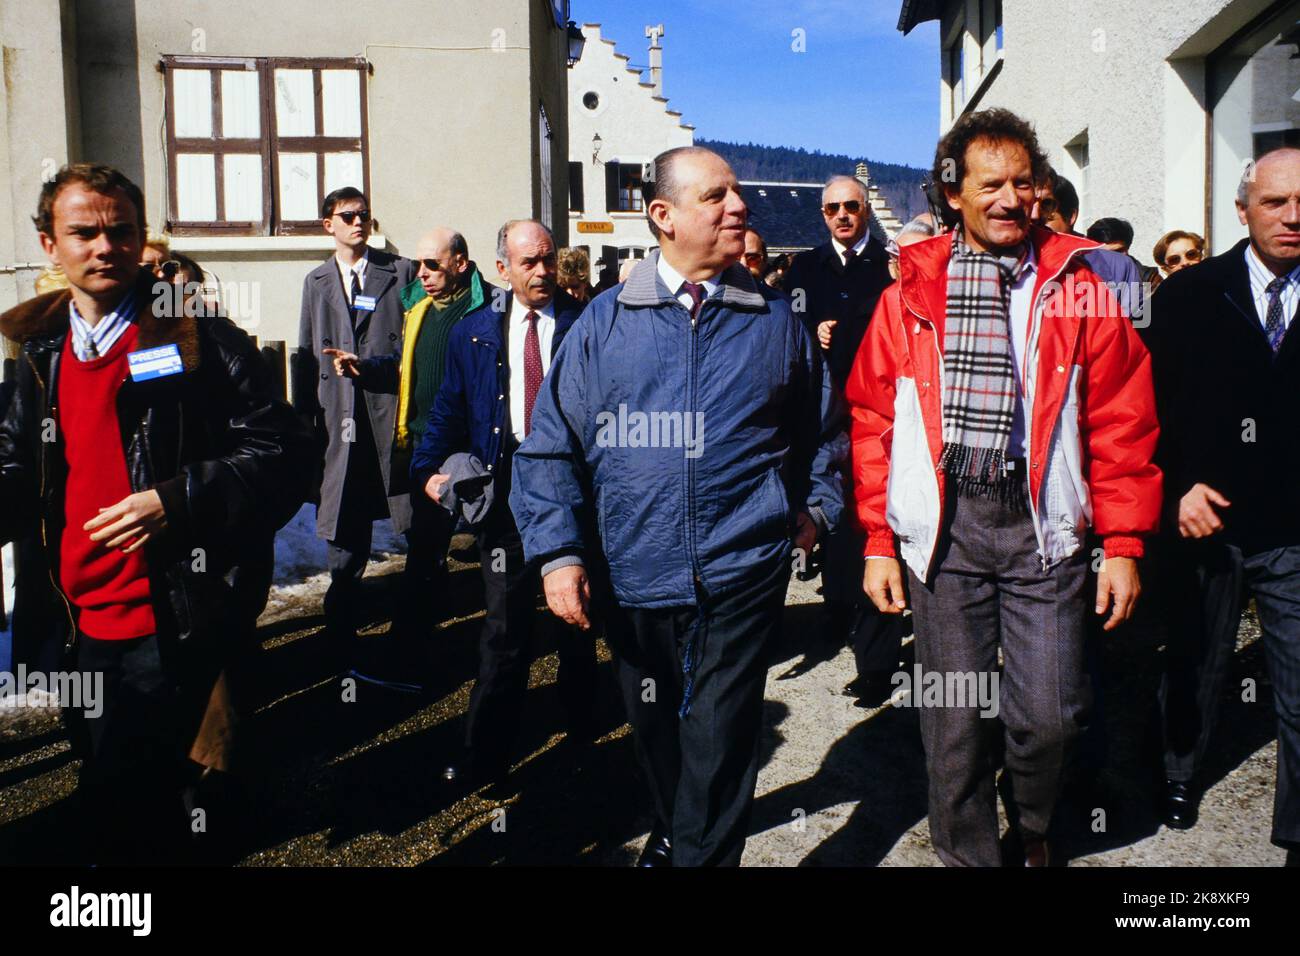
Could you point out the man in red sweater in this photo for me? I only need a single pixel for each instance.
(168, 448)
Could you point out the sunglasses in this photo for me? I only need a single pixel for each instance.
(351, 217)
(1191, 255)
(164, 270)
(853, 206)
(433, 265)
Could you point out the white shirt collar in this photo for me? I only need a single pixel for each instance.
(1261, 275)
(857, 246)
(521, 309)
(104, 334)
(1030, 262)
(359, 268)
(674, 279)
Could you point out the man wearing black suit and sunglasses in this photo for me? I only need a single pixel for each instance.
(352, 301)
(834, 289)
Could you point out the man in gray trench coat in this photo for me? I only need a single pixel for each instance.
(352, 301)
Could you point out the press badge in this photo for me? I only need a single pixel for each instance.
(153, 363)
(366, 303)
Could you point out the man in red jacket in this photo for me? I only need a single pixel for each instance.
(1002, 405)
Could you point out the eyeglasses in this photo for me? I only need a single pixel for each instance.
(1191, 255)
(853, 206)
(754, 257)
(164, 270)
(433, 265)
(350, 217)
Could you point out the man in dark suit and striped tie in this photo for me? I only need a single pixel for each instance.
(1226, 360)
(496, 360)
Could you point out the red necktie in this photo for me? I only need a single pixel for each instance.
(696, 292)
(532, 370)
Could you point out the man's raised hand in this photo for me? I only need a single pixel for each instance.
(346, 364)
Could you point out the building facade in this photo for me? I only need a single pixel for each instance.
(237, 116)
(1151, 109)
(618, 123)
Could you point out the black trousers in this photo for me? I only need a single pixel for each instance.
(692, 680)
(1204, 585)
(876, 639)
(511, 594)
(134, 766)
(425, 573)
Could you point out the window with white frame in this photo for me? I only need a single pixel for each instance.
(254, 143)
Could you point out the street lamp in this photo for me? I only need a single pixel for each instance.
(596, 143)
(576, 43)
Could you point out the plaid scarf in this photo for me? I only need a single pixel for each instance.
(979, 375)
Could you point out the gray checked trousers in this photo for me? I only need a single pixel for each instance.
(988, 588)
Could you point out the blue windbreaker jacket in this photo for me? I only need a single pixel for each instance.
(680, 450)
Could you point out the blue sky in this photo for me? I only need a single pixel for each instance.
(860, 87)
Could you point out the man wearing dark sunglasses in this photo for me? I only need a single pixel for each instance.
(352, 302)
(838, 284)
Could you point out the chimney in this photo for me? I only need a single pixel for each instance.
(656, 58)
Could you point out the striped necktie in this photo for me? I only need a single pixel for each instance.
(1273, 326)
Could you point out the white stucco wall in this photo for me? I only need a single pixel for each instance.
(34, 135)
(634, 127)
(452, 101)
(1131, 76)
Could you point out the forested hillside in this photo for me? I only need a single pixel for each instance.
(900, 185)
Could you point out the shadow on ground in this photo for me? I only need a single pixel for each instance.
(359, 782)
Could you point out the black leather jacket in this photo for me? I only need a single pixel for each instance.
(227, 457)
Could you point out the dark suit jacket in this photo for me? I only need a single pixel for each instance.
(1229, 408)
(472, 410)
(330, 401)
(847, 296)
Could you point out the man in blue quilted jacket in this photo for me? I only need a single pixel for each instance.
(682, 445)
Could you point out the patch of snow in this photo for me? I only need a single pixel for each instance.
(7, 604)
(300, 555)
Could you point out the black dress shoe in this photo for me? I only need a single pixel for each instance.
(658, 849)
(1180, 805)
(871, 689)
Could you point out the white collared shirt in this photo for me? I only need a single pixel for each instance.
(674, 279)
(841, 248)
(515, 336)
(89, 342)
(1260, 276)
(345, 273)
(1022, 297)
